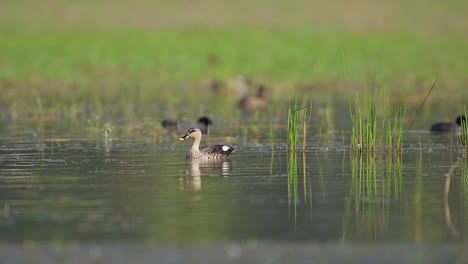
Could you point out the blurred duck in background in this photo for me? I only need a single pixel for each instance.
(233, 88)
(444, 127)
(254, 102)
(203, 123)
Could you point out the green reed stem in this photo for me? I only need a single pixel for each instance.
(272, 138)
(292, 126)
(304, 131)
(369, 132)
(293, 119)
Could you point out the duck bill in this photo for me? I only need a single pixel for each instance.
(184, 137)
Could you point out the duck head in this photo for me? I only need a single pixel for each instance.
(191, 133)
(460, 119)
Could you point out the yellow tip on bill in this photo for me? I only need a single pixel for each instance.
(181, 139)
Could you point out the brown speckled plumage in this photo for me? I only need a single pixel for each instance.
(208, 152)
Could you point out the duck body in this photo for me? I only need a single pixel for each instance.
(444, 127)
(212, 152)
(203, 123)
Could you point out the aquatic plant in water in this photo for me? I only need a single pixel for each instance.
(293, 117)
(293, 135)
(293, 132)
(464, 176)
(370, 132)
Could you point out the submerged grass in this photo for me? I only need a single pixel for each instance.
(463, 133)
(375, 183)
(464, 176)
(293, 193)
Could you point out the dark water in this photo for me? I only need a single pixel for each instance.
(72, 188)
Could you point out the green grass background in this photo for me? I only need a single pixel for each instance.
(63, 53)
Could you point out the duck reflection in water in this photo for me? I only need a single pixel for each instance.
(191, 180)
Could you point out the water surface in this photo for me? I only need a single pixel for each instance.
(69, 188)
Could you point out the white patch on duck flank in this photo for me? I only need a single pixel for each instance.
(225, 148)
